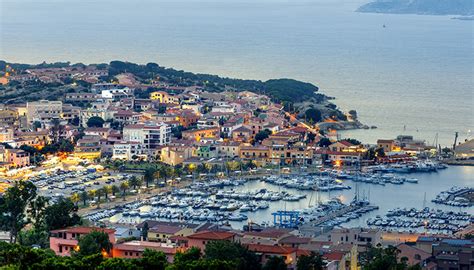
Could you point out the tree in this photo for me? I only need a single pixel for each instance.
(115, 189)
(149, 176)
(75, 198)
(313, 261)
(324, 142)
(379, 152)
(36, 212)
(95, 121)
(33, 237)
(153, 260)
(107, 190)
(61, 215)
(134, 182)
(190, 255)
(36, 125)
(313, 115)
(230, 251)
(262, 135)
(275, 263)
(94, 242)
(13, 207)
(84, 197)
(124, 187)
(56, 130)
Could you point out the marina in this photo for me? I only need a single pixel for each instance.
(238, 201)
(456, 196)
(433, 220)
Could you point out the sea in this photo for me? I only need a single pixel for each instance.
(404, 74)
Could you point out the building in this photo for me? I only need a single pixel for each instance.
(128, 151)
(150, 135)
(197, 134)
(413, 255)
(465, 150)
(454, 254)
(88, 147)
(175, 155)
(200, 239)
(135, 249)
(63, 241)
(228, 149)
(43, 111)
(356, 236)
(14, 157)
(386, 145)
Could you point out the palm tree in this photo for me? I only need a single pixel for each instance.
(84, 197)
(149, 176)
(106, 190)
(75, 198)
(92, 193)
(124, 187)
(133, 182)
(115, 189)
(99, 192)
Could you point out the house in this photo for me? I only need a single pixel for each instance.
(386, 145)
(413, 255)
(175, 154)
(465, 150)
(356, 236)
(128, 151)
(452, 253)
(63, 241)
(242, 134)
(163, 231)
(259, 154)
(135, 249)
(14, 157)
(200, 239)
(228, 149)
(268, 236)
(340, 146)
(197, 134)
(88, 147)
(289, 254)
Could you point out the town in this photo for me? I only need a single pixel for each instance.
(156, 159)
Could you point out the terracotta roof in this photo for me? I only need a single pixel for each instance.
(212, 235)
(84, 230)
(166, 229)
(334, 256)
(271, 249)
(293, 239)
(269, 233)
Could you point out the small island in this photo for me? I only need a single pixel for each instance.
(420, 7)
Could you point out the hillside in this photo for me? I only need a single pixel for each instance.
(422, 7)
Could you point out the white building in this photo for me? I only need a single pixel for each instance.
(128, 150)
(43, 111)
(115, 92)
(150, 135)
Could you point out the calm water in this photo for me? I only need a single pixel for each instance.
(417, 72)
(386, 197)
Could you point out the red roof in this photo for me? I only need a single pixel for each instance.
(84, 230)
(271, 249)
(210, 235)
(334, 256)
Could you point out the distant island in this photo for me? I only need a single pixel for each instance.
(421, 7)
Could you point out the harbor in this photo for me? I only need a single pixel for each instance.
(238, 201)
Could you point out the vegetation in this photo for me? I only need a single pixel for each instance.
(20, 206)
(95, 121)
